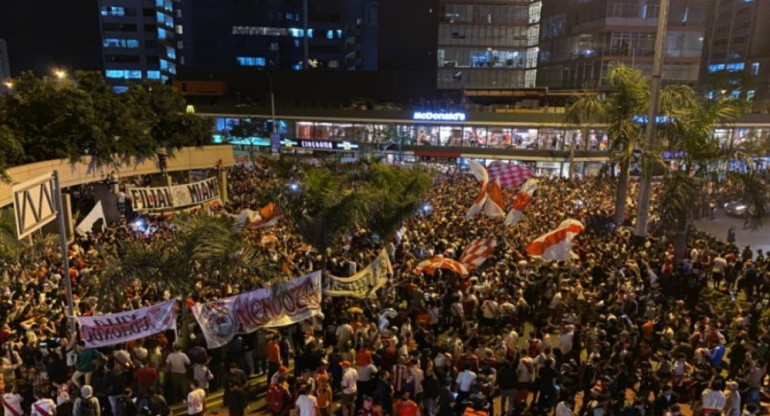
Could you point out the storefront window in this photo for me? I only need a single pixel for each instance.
(427, 136)
(323, 131)
(304, 130)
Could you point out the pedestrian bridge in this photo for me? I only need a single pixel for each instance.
(71, 174)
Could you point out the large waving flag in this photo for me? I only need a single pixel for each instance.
(477, 252)
(557, 244)
(490, 198)
(509, 175)
(265, 217)
(430, 266)
(523, 198)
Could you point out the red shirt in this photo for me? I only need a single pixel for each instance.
(146, 376)
(406, 408)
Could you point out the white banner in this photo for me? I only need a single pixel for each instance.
(117, 328)
(362, 284)
(172, 197)
(223, 319)
(88, 222)
(34, 204)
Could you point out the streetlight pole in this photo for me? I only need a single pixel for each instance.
(272, 98)
(642, 214)
(275, 139)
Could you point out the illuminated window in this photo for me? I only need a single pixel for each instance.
(170, 52)
(250, 61)
(113, 11)
(755, 68)
(120, 43)
(297, 33)
(123, 74)
(716, 67)
(330, 34)
(153, 74)
(750, 95)
(735, 67)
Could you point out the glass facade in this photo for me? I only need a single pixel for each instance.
(581, 39)
(482, 45)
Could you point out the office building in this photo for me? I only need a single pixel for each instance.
(581, 39)
(487, 44)
(287, 34)
(5, 67)
(140, 40)
(737, 51)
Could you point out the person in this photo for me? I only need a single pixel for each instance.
(87, 404)
(368, 408)
(431, 390)
(323, 395)
(564, 408)
(273, 353)
(349, 384)
(463, 384)
(732, 400)
(751, 410)
(306, 402)
(196, 400)
(126, 405)
(11, 401)
(155, 404)
(405, 406)
(713, 399)
(84, 363)
(43, 406)
(279, 398)
(235, 400)
(176, 364)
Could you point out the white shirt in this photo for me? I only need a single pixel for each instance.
(196, 401)
(713, 399)
(307, 405)
(563, 410)
(14, 401)
(349, 378)
(511, 340)
(489, 309)
(47, 405)
(465, 380)
(418, 376)
(565, 342)
(178, 362)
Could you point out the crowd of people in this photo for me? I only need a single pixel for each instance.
(622, 329)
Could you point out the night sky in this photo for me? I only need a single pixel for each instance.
(51, 33)
(56, 33)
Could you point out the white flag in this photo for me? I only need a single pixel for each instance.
(88, 222)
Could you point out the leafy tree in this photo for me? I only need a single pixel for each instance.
(53, 118)
(200, 247)
(12, 153)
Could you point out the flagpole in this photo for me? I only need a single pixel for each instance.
(64, 252)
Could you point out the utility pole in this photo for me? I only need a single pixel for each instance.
(642, 214)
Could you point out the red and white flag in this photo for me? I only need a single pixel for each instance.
(490, 198)
(477, 252)
(557, 244)
(430, 266)
(509, 175)
(493, 207)
(523, 198)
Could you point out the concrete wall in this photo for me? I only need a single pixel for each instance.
(71, 174)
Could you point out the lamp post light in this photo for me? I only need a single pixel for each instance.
(60, 74)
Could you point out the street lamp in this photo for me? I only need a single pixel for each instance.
(272, 97)
(8, 84)
(60, 74)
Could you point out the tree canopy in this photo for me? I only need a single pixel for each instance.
(51, 118)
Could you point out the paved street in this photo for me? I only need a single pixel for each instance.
(759, 238)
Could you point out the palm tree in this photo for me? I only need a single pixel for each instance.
(617, 110)
(689, 134)
(587, 109)
(339, 198)
(200, 246)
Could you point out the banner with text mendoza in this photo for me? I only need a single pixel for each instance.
(362, 284)
(164, 198)
(296, 300)
(117, 328)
